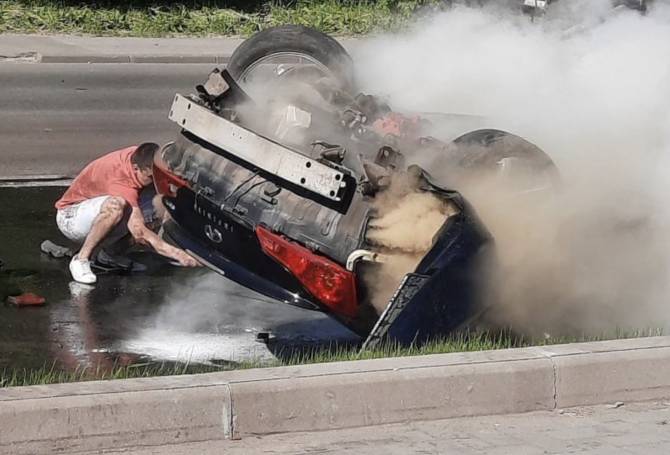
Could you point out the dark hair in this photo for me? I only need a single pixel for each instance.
(143, 156)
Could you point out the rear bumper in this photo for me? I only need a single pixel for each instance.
(230, 269)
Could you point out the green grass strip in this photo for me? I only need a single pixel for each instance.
(465, 342)
(214, 18)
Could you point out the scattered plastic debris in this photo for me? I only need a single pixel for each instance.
(26, 299)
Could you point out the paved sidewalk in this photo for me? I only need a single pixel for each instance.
(634, 428)
(82, 49)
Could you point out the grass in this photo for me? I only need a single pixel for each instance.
(466, 342)
(204, 18)
(51, 374)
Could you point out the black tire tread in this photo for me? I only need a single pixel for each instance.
(486, 147)
(294, 38)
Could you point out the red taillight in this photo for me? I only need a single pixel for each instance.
(165, 182)
(332, 284)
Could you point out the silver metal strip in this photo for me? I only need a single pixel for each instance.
(261, 152)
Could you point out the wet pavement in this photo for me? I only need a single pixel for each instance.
(168, 314)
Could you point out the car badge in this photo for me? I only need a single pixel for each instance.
(213, 234)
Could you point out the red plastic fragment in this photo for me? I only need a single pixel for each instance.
(26, 299)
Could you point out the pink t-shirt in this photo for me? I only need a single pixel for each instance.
(110, 175)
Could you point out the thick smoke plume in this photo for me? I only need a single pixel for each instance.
(402, 231)
(590, 86)
(406, 220)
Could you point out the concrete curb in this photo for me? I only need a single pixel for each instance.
(36, 57)
(104, 414)
(174, 59)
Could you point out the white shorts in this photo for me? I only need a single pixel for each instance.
(75, 221)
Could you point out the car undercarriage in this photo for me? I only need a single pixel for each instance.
(287, 180)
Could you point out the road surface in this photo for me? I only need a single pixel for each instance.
(55, 118)
(165, 315)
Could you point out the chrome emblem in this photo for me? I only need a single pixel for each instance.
(213, 234)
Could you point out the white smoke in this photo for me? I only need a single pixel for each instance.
(208, 317)
(590, 86)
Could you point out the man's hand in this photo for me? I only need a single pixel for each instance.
(144, 235)
(186, 260)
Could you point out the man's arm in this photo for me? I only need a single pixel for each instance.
(144, 235)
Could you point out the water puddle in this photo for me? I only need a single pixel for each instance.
(165, 315)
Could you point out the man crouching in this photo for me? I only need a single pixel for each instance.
(103, 204)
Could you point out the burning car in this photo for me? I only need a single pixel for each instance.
(286, 180)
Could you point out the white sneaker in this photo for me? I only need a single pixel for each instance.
(81, 271)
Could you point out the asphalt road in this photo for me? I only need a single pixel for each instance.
(55, 118)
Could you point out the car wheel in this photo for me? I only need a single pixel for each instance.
(509, 157)
(289, 46)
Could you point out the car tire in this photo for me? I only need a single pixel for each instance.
(299, 40)
(485, 148)
(482, 151)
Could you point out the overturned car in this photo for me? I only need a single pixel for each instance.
(287, 181)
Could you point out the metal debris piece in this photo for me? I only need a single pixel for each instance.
(618, 404)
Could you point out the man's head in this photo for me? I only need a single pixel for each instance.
(142, 160)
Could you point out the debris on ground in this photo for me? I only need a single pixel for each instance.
(263, 337)
(12, 294)
(54, 250)
(618, 404)
(26, 299)
(7, 286)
